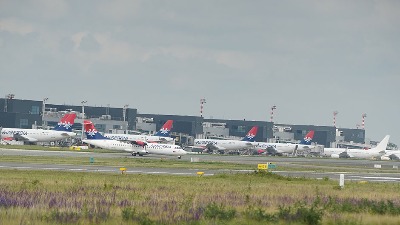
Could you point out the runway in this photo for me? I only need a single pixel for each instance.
(365, 168)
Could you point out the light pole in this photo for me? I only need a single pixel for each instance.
(83, 117)
(43, 111)
(272, 113)
(9, 96)
(202, 101)
(363, 120)
(124, 115)
(334, 117)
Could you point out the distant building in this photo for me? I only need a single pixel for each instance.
(28, 113)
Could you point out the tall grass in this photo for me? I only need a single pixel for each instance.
(48, 197)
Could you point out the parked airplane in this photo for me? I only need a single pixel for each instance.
(377, 151)
(162, 136)
(222, 145)
(280, 148)
(134, 147)
(61, 131)
(391, 155)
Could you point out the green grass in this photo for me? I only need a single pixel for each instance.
(50, 148)
(56, 197)
(126, 162)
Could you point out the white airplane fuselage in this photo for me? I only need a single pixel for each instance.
(223, 144)
(328, 152)
(352, 153)
(145, 138)
(375, 152)
(282, 147)
(391, 155)
(36, 135)
(110, 144)
(150, 148)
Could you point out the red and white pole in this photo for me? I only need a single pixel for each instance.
(334, 118)
(363, 121)
(202, 101)
(272, 113)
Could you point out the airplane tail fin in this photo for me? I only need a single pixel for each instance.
(91, 132)
(66, 123)
(251, 134)
(165, 130)
(383, 144)
(308, 138)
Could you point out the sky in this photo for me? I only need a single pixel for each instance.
(309, 58)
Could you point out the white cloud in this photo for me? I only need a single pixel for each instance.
(231, 59)
(16, 26)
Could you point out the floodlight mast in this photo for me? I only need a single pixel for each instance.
(83, 117)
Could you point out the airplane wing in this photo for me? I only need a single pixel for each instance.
(272, 151)
(164, 140)
(345, 154)
(65, 135)
(19, 137)
(137, 151)
(394, 156)
(213, 147)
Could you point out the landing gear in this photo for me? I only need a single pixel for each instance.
(179, 157)
(133, 153)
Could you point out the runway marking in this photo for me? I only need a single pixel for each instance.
(388, 178)
(356, 179)
(134, 171)
(77, 169)
(22, 167)
(157, 172)
(105, 170)
(184, 173)
(51, 168)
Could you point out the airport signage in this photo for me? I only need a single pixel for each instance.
(262, 166)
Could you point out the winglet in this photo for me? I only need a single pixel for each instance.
(66, 123)
(308, 138)
(251, 134)
(91, 132)
(165, 130)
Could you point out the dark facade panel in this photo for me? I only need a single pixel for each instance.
(191, 125)
(98, 111)
(21, 106)
(240, 128)
(355, 135)
(8, 120)
(323, 135)
(19, 120)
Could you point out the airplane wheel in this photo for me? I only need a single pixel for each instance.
(179, 157)
(133, 154)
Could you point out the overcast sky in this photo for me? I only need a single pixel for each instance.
(309, 58)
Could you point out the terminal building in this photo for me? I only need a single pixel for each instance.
(18, 113)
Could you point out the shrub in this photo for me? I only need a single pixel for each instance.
(259, 214)
(214, 211)
(308, 215)
(129, 214)
(63, 217)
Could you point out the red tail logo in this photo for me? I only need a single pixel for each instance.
(88, 126)
(167, 125)
(253, 131)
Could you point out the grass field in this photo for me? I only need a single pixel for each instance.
(48, 197)
(56, 197)
(128, 161)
